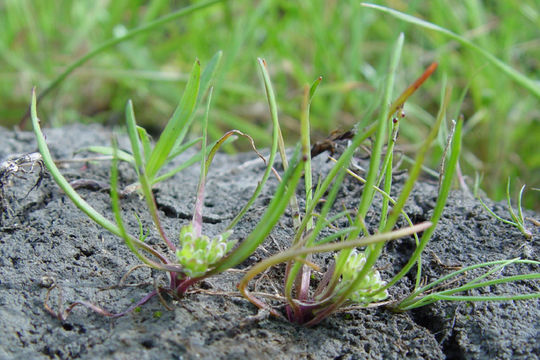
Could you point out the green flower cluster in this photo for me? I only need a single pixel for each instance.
(370, 283)
(198, 253)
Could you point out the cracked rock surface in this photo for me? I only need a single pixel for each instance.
(45, 239)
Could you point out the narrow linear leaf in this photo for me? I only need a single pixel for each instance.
(176, 124)
(314, 87)
(134, 137)
(146, 143)
(197, 212)
(61, 180)
(209, 74)
(272, 104)
(207, 77)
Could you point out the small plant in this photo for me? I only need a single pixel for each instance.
(352, 277)
(517, 219)
(197, 256)
(438, 289)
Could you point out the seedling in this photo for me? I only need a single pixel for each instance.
(197, 256)
(352, 277)
(517, 219)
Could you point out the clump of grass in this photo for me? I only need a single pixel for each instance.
(517, 219)
(352, 277)
(196, 256)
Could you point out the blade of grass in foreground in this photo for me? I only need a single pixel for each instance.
(144, 180)
(508, 70)
(60, 180)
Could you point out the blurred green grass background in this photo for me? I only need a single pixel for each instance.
(341, 40)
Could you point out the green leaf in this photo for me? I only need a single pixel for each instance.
(146, 144)
(134, 138)
(207, 77)
(177, 124)
(314, 87)
(61, 180)
(272, 103)
(180, 149)
(208, 74)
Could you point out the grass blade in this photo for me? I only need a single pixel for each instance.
(272, 104)
(115, 205)
(61, 180)
(145, 141)
(205, 166)
(176, 124)
(134, 138)
(146, 184)
(508, 70)
(207, 76)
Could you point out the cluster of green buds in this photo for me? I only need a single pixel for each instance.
(199, 252)
(369, 284)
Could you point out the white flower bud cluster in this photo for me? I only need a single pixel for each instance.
(198, 253)
(370, 282)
